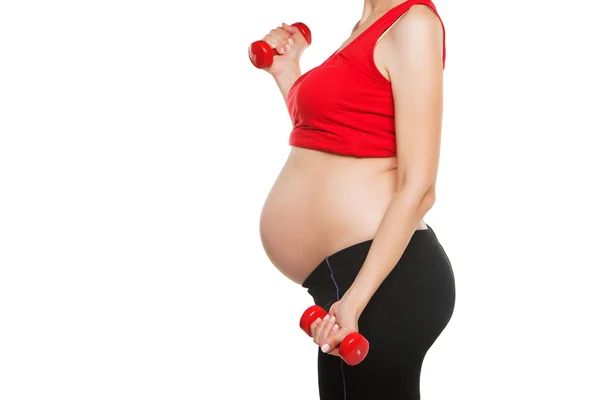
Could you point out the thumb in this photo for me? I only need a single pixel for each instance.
(296, 34)
(333, 308)
(290, 29)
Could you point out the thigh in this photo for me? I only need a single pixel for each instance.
(379, 377)
(402, 321)
(392, 369)
(332, 381)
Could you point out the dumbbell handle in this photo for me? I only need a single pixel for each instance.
(354, 346)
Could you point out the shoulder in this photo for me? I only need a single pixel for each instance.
(419, 22)
(414, 43)
(417, 36)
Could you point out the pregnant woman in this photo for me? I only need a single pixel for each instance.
(345, 217)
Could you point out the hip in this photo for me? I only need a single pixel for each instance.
(421, 285)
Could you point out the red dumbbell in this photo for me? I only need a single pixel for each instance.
(261, 54)
(354, 346)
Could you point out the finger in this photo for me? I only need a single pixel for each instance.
(322, 330)
(325, 333)
(313, 326)
(296, 35)
(334, 340)
(289, 28)
(284, 33)
(277, 39)
(319, 331)
(282, 39)
(270, 41)
(335, 328)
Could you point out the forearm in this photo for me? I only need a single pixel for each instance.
(286, 79)
(406, 210)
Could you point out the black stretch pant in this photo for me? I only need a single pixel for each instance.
(401, 321)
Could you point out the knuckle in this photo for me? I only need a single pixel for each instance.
(314, 328)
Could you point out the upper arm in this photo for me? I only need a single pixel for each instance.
(415, 67)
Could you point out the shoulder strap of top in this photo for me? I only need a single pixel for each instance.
(374, 32)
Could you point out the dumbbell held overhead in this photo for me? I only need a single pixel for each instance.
(354, 346)
(261, 53)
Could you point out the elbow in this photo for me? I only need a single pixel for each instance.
(428, 200)
(421, 192)
(420, 199)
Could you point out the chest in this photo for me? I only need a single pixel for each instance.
(340, 84)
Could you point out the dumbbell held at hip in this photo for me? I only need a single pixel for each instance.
(354, 346)
(261, 54)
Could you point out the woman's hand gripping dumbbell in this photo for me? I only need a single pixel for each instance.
(353, 348)
(281, 46)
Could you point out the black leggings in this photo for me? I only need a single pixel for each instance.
(401, 321)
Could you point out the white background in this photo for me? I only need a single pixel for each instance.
(137, 145)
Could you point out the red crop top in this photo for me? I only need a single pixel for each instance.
(345, 105)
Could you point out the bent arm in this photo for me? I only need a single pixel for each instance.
(415, 69)
(286, 79)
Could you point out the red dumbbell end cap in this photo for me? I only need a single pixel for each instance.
(260, 54)
(305, 31)
(354, 348)
(309, 316)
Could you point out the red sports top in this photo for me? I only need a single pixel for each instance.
(345, 105)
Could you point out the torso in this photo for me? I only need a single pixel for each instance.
(322, 203)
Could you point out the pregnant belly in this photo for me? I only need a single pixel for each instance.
(320, 204)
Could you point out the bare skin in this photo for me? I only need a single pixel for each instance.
(322, 203)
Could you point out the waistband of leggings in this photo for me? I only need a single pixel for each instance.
(349, 260)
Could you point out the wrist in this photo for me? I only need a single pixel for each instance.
(291, 70)
(286, 76)
(356, 300)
